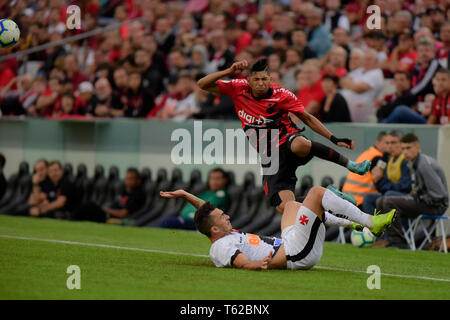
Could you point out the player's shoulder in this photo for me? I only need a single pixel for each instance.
(229, 241)
(282, 92)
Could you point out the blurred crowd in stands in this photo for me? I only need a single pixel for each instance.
(321, 50)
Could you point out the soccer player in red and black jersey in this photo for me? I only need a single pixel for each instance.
(263, 106)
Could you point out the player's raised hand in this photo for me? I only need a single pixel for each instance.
(172, 194)
(347, 144)
(344, 142)
(238, 67)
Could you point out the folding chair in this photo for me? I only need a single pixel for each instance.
(341, 236)
(413, 225)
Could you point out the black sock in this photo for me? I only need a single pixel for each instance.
(323, 152)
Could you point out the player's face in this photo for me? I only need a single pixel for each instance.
(221, 221)
(410, 150)
(259, 83)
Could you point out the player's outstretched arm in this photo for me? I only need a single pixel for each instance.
(208, 82)
(242, 262)
(195, 201)
(317, 126)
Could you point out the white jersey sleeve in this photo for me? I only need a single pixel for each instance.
(224, 251)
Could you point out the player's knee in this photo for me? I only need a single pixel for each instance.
(291, 205)
(301, 146)
(316, 191)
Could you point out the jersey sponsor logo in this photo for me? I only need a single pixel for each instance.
(249, 119)
(303, 220)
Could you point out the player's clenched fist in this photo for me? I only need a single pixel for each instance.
(238, 67)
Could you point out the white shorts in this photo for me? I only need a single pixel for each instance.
(303, 241)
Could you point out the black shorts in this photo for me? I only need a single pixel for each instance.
(285, 178)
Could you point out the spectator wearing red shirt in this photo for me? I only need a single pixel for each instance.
(74, 74)
(403, 56)
(140, 100)
(336, 61)
(425, 69)
(443, 53)
(440, 113)
(311, 94)
(68, 108)
(241, 39)
(50, 98)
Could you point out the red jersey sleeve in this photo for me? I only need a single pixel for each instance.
(230, 87)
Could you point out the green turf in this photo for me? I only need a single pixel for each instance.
(31, 269)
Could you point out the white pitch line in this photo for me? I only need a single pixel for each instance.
(99, 245)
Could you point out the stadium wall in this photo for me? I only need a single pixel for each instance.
(149, 143)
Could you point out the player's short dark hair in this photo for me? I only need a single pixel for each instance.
(260, 66)
(203, 220)
(409, 138)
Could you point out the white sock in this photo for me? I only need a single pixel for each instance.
(331, 220)
(343, 209)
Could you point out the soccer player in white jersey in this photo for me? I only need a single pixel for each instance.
(302, 231)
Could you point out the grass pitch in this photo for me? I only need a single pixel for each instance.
(148, 263)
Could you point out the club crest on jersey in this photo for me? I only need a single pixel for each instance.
(303, 220)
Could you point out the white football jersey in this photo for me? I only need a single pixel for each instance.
(224, 251)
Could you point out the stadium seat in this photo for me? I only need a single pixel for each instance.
(263, 217)
(68, 172)
(306, 183)
(273, 228)
(114, 186)
(326, 181)
(249, 208)
(249, 181)
(238, 196)
(20, 197)
(413, 225)
(173, 206)
(13, 185)
(80, 183)
(149, 189)
(231, 178)
(98, 186)
(196, 185)
(158, 204)
(146, 176)
(235, 195)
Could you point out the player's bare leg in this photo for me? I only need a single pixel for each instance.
(285, 196)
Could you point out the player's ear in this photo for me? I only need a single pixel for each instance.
(214, 229)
